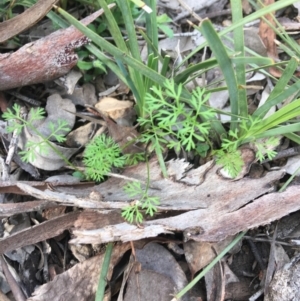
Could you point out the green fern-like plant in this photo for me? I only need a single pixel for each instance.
(229, 155)
(100, 156)
(142, 202)
(17, 122)
(265, 148)
(170, 122)
(230, 160)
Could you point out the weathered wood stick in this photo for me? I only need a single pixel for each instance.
(44, 60)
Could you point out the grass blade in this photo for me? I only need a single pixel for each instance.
(126, 59)
(225, 65)
(207, 64)
(151, 25)
(129, 24)
(294, 137)
(253, 60)
(286, 130)
(256, 15)
(130, 84)
(285, 114)
(165, 65)
(107, 61)
(209, 267)
(261, 111)
(105, 266)
(150, 45)
(113, 27)
(238, 36)
(277, 95)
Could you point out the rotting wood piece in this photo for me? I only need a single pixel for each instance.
(44, 60)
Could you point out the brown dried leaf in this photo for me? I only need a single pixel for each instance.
(81, 281)
(47, 161)
(71, 80)
(268, 37)
(157, 258)
(215, 283)
(3, 102)
(113, 107)
(125, 136)
(150, 286)
(199, 254)
(80, 136)
(247, 8)
(159, 276)
(84, 95)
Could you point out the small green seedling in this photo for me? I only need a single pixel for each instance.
(18, 121)
(100, 155)
(142, 201)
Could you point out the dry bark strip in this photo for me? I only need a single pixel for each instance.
(216, 207)
(202, 224)
(28, 18)
(40, 232)
(11, 209)
(56, 226)
(12, 186)
(45, 59)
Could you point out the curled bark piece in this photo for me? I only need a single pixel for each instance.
(45, 59)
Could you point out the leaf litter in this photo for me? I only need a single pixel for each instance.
(199, 205)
